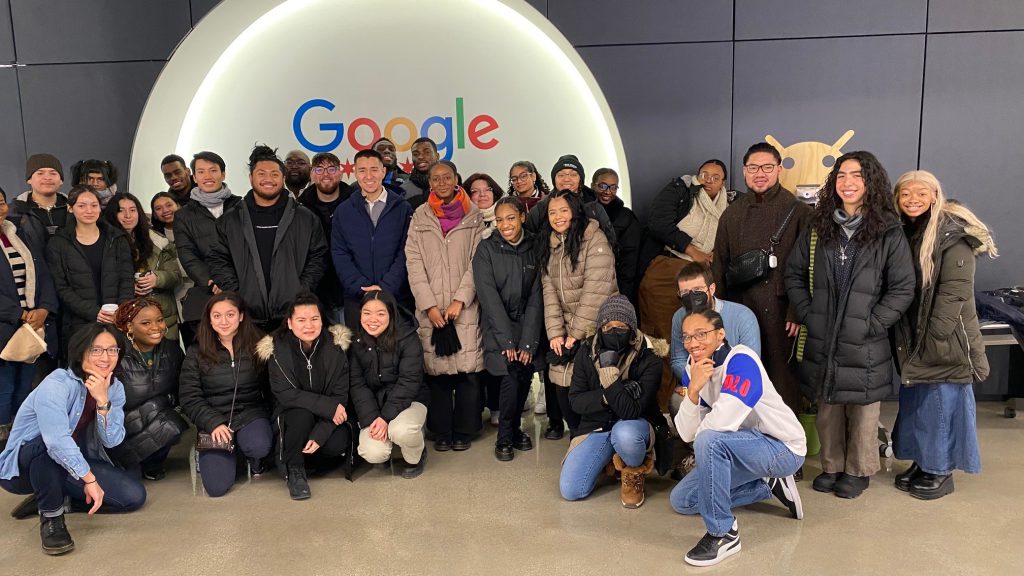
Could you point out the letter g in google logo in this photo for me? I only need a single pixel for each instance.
(454, 136)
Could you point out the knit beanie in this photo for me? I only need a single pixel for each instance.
(568, 161)
(619, 308)
(40, 161)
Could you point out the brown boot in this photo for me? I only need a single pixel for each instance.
(633, 481)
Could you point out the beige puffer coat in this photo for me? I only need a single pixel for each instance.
(572, 297)
(440, 271)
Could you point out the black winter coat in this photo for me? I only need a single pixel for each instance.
(316, 382)
(386, 383)
(298, 261)
(205, 391)
(511, 301)
(150, 420)
(73, 277)
(630, 234)
(45, 294)
(600, 407)
(848, 356)
(670, 206)
(195, 234)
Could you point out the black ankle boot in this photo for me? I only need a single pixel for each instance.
(904, 480)
(931, 486)
(55, 536)
(298, 486)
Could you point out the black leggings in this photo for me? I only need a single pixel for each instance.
(296, 425)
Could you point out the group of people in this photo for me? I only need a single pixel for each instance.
(320, 320)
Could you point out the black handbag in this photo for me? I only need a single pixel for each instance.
(756, 264)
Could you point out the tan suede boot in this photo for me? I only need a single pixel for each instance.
(632, 494)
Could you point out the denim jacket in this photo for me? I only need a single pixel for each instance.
(53, 410)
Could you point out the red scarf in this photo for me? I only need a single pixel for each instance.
(449, 215)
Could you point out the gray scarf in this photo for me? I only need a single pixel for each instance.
(848, 223)
(210, 199)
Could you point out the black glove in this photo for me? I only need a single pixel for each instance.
(633, 388)
(608, 358)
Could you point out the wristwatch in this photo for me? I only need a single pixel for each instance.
(104, 407)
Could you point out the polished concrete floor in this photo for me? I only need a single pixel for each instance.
(469, 514)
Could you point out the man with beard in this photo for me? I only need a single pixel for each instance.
(296, 176)
(417, 187)
(395, 176)
(178, 178)
(270, 247)
(323, 197)
(753, 222)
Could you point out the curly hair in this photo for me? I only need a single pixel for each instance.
(264, 153)
(530, 167)
(877, 208)
(572, 241)
(127, 311)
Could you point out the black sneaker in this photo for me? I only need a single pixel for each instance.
(27, 508)
(785, 490)
(298, 485)
(55, 536)
(522, 441)
(461, 445)
(503, 451)
(554, 433)
(826, 481)
(442, 445)
(713, 549)
(850, 486)
(413, 470)
(154, 474)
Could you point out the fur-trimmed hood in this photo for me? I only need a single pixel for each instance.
(340, 335)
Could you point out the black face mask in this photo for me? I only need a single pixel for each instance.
(695, 301)
(617, 339)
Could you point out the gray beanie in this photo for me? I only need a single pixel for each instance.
(619, 308)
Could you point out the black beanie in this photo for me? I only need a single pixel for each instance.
(40, 161)
(567, 161)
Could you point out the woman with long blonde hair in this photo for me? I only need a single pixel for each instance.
(939, 344)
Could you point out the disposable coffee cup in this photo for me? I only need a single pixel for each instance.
(109, 308)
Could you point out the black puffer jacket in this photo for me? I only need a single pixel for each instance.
(670, 206)
(150, 420)
(939, 340)
(316, 382)
(74, 278)
(298, 261)
(511, 302)
(205, 391)
(848, 357)
(386, 383)
(195, 234)
(599, 406)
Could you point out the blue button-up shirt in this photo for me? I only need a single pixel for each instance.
(52, 411)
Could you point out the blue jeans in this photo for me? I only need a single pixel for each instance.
(15, 384)
(730, 472)
(585, 463)
(40, 475)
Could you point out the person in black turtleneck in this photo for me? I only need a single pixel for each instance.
(285, 237)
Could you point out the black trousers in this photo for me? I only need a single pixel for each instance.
(454, 417)
(296, 425)
(514, 388)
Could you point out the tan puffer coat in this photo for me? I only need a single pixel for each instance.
(572, 297)
(440, 271)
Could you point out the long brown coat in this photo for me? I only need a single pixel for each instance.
(747, 224)
(440, 271)
(573, 296)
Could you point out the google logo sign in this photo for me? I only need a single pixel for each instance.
(363, 132)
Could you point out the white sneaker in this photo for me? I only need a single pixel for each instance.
(785, 490)
(541, 407)
(494, 417)
(713, 549)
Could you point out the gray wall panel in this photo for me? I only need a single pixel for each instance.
(973, 121)
(679, 119)
(200, 8)
(12, 134)
(820, 88)
(756, 19)
(958, 15)
(61, 31)
(601, 22)
(6, 33)
(108, 100)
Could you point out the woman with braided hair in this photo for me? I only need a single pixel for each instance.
(149, 372)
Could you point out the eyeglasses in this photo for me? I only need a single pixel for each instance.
(521, 178)
(708, 177)
(685, 293)
(606, 187)
(97, 351)
(319, 170)
(699, 336)
(755, 168)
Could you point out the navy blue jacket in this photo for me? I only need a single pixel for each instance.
(46, 294)
(364, 255)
